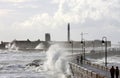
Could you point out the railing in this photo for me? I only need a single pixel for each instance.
(97, 66)
(81, 72)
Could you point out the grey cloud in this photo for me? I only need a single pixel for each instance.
(84, 15)
(14, 1)
(78, 11)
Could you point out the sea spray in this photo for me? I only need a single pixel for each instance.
(57, 62)
(40, 46)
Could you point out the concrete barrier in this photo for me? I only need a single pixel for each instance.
(81, 72)
(97, 66)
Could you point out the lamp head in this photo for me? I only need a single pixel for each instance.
(81, 42)
(103, 41)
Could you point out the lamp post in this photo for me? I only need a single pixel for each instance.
(93, 45)
(104, 41)
(71, 42)
(83, 48)
(83, 44)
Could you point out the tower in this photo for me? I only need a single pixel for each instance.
(68, 32)
(47, 37)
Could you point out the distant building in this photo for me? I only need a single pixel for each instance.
(47, 37)
(27, 44)
(77, 44)
(90, 46)
(3, 44)
(23, 44)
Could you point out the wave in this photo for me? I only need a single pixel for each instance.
(56, 63)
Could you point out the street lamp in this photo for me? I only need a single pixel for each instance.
(83, 48)
(83, 43)
(71, 42)
(104, 41)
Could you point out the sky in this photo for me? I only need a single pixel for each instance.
(31, 19)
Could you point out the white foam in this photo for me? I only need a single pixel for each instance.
(57, 62)
(40, 46)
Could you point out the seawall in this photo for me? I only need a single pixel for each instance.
(81, 72)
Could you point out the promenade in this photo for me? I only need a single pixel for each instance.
(89, 70)
(101, 72)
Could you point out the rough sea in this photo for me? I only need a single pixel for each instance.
(24, 64)
(40, 64)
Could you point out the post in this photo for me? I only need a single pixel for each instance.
(83, 44)
(71, 42)
(104, 41)
(82, 35)
(72, 47)
(93, 45)
(83, 48)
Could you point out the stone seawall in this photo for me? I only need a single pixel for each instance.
(81, 72)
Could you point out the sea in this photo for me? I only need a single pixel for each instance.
(24, 64)
(41, 64)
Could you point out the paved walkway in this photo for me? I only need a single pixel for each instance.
(98, 71)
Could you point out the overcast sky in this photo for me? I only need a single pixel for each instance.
(31, 19)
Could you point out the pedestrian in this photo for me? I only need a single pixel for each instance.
(112, 72)
(77, 60)
(81, 59)
(117, 72)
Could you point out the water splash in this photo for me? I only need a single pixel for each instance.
(12, 47)
(40, 46)
(57, 62)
